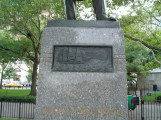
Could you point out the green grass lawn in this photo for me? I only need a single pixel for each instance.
(7, 119)
(11, 119)
(13, 92)
(152, 97)
(15, 95)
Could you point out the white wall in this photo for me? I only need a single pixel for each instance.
(23, 70)
(148, 82)
(156, 77)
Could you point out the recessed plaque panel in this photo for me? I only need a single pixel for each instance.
(82, 59)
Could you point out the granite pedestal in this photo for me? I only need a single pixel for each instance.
(82, 73)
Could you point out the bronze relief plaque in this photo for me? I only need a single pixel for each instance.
(82, 58)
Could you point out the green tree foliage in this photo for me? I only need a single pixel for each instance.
(11, 49)
(9, 73)
(7, 55)
(137, 56)
(27, 18)
(144, 26)
(138, 59)
(29, 76)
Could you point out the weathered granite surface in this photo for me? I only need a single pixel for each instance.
(77, 23)
(82, 95)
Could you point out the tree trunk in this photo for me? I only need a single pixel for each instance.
(3, 68)
(1, 80)
(34, 76)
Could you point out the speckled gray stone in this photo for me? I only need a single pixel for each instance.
(82, 95)
(78, 23)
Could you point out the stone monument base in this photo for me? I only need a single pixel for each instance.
(82, 72)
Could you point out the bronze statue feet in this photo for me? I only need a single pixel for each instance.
(105, 18)
(111, 19)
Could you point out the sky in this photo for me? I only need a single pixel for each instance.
(122, 10)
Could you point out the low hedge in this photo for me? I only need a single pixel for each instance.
(22, 99)
(159, 99)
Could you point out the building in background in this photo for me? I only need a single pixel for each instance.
(153, 78)
(21, 73)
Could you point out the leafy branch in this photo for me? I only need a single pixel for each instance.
(144, 43)
(155, 58)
